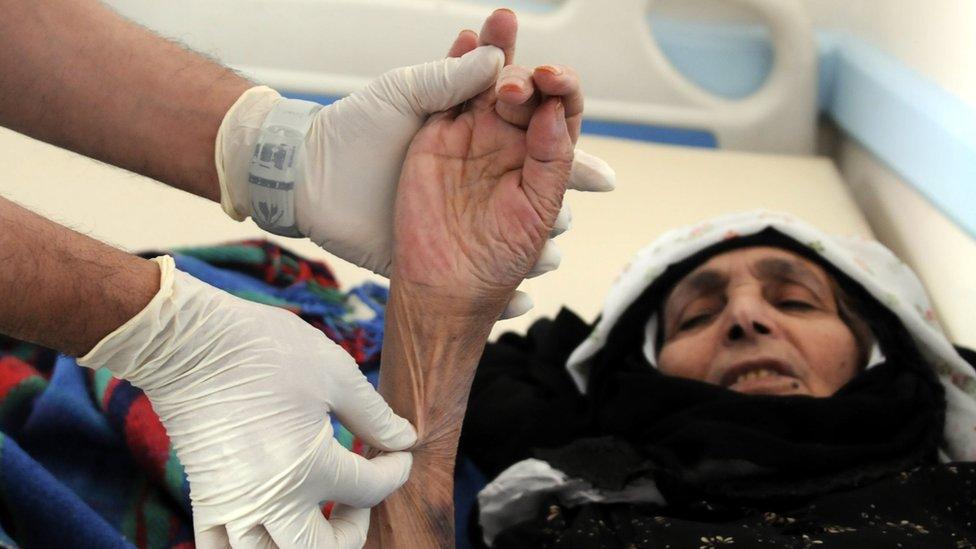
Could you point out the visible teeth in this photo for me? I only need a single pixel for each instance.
(755, 374)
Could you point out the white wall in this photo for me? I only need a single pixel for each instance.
(942, 255)
(937, 38)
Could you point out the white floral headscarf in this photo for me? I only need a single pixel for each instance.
(867, 261)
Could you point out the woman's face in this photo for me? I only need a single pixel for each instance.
(758, 320)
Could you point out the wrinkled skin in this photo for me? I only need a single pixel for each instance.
(756, 317)
(477, 199)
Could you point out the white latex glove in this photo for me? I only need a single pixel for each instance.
(245, 392)
(355, 150)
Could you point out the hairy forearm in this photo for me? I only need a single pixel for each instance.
(429, 360)
(64, 290)
(75, 74)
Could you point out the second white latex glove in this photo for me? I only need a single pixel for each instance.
(354, 152)
(245, 391)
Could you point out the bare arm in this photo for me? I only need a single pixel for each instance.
(64, 290)
(75, 74)
(429, 358)
(476, 201)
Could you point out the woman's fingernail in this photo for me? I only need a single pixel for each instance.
(551, 69)
(511, 85)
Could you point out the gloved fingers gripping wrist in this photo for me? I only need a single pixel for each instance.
(346, 528)
(236, 137)
(187, 350)
(364, 412)
(211, 537)
(350, 525)
(374, 479)
(249, 536)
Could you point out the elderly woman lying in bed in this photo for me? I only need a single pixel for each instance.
(751, 381)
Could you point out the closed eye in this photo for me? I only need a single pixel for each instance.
(795, 305)
(694, 321)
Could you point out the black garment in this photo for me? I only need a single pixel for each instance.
(721, 459)
(793, 454)
(521, 399)
(926, 508)
(702, 440)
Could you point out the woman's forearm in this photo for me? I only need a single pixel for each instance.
(76, 74)
(429, 358)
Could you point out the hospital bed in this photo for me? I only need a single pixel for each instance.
(755, 151)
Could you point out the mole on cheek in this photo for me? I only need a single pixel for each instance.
(796, 384)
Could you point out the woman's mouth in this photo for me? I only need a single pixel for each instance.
(764, 381)
(761, 377)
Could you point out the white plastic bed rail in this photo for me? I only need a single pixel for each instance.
(332, 47)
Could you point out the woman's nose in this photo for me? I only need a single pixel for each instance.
(749, 318)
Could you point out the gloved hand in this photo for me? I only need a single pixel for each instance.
(354, 153)
(245, 392)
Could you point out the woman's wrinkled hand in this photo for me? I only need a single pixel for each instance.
(477, 200)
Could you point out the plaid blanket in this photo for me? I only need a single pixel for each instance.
(85, 462)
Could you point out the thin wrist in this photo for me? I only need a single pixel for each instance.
(434, 309)
(430, 352)
(435, 352)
